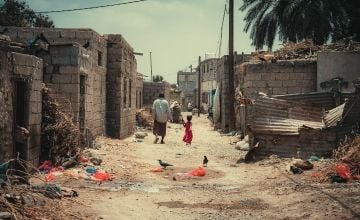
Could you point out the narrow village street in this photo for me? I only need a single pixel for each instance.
(261, 190)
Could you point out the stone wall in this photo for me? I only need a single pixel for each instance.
(121, 100)
(338, 64)
(152, 91)
(20, 94)
(284, 77)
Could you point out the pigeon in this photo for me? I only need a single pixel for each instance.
(205, 161)
(86, 45)
(296, 170)
(174, 178)
(164, 164)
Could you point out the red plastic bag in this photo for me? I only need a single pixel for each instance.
(157, 169)
(49, 177)
(343, 171)
(101, 176)
(198, 172)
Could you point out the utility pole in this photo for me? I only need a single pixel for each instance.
(151, 68)
(199, 86)
(231, 66)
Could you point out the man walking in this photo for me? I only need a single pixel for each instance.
(161, 114)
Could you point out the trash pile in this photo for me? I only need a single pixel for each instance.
(345, 165)
(90, 170)
(60, 137)
(175, 109)
(144, 118)
(21, 198)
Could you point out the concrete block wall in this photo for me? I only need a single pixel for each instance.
(6, 110)
(223, 82)
(31, 69)
(284, 77)
(312, 142)
(121, 100)
(152, 91)
(27, 69)
(96, 53)
(344, 64)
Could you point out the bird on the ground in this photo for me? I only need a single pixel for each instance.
(164, 164)
(86, 45)
(296, 170)
(174, 178)
(205, 161)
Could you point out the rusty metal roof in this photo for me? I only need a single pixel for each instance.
(283, 117)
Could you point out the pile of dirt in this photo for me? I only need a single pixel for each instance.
(144, 118)
(60, 138)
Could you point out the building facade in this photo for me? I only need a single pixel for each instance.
(208, 69)
(188, 84)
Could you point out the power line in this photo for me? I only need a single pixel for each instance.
(221, 31)
(93, 7)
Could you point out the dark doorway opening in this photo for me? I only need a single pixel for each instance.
(20, 118)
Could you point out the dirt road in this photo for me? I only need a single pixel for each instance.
(262, 190)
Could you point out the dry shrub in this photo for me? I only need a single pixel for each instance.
(60, 136)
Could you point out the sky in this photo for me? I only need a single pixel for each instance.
(177, 32)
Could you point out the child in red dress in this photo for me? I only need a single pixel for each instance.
(188, 132)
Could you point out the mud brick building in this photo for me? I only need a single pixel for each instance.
(121, 87)
(152, 91)
(20, 97)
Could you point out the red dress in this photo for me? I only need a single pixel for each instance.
(188, 133)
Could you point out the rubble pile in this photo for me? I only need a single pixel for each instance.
(144, 117)
(60, 137)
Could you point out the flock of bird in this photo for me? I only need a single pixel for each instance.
(164, 164)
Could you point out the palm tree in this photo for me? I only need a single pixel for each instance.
(293, 20)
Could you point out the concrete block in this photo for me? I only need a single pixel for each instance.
(69, 69)
(296, 76)
(282, 76)
(289, 83)
(259, 84)
(310, 75)
(274, 83)
(279, 91)
(291, 90)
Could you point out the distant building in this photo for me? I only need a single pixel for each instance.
(187, 82)
(208, 80)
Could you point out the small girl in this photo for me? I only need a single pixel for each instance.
(188, 132)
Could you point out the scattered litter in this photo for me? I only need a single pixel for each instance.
(144, 118)
(302, 164)
(314, 158)
(200, 171)
(343, 171)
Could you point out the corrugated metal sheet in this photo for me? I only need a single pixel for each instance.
(345, 114)
(334, 116)
(323, 99)
(276, 116)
